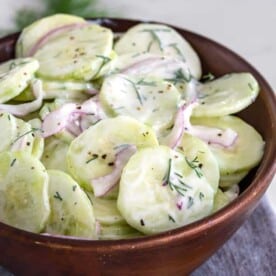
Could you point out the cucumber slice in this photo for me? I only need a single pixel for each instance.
(50, 107)
(15, 76)
(54, 155)
(112, 225)
(71, 211)
(24, 199)
(18, 135)
(240, 156)
(92, 154)
(229, 180)
(38, 30)
(7, 123)
(159, 39)
(55, 90)
(118, 232)
(223, 198)
(201, 158)
(38, 143)
(88, 49)
(159, 191)
(226, 95)
(106, 211)
(149, 100)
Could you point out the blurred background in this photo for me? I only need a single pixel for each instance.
(245, 26)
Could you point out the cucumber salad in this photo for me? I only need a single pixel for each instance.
(113, 136)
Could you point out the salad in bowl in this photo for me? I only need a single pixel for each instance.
(118, 135)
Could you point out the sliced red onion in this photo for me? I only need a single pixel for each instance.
(74, 128)
(224, 138)
(141, 66)
(75, 118)
(158, 66)
(90, 106)
(26, 108)
(92, 113)
(57, 120)
(56, 31)
(102, 185)
(179, 203)
(173, 139)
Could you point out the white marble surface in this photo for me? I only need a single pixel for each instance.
(245, 26)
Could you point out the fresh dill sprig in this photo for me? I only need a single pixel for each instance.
(171, 218)
(155, 38)
(136, 90)
(180, 77)
(175, 47)
(58, 196)
(181, 188)
(190, 202)
(94, 156)
(13, 162)
(26, 133)
(250, 86)
(201, 195)
(105, 60)
(146, 83)
(195, 165)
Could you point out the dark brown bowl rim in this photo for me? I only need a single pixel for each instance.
(256, 189)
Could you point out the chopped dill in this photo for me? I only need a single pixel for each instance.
(94, 156)
(13, 162)
(250, 86)
(180, 188)
(26, 133)
(179, 77)
(171, 218)
(190, 202)
(135, 90)
(146, 83)
(195, 165)
(174, 46)
(58, 196)
(154, 37)
(201, 195)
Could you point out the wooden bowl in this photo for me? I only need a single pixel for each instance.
(176, 252)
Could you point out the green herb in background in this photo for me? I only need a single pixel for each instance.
(84, 8)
